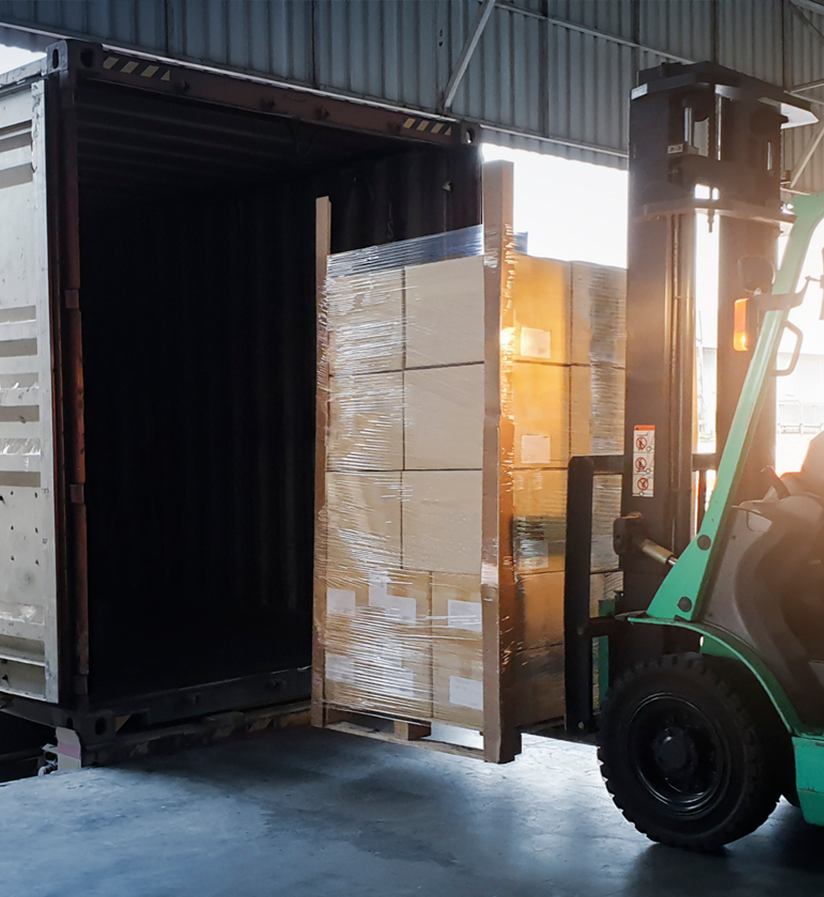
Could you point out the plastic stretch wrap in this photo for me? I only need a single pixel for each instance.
(407, 395)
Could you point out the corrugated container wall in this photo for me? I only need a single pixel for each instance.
(553, 76)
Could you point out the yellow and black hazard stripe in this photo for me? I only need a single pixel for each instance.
(130, 66)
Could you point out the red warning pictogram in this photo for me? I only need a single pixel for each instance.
(643, 460)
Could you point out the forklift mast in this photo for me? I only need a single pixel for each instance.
(702, 137)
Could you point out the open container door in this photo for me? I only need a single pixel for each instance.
(28, 582)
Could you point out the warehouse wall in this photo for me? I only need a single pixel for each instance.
(549, 74)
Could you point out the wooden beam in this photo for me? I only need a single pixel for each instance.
(323, 242)
(502, 740)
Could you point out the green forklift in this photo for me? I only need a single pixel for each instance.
(715, 704)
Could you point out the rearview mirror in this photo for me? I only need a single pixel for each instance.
(757, 273)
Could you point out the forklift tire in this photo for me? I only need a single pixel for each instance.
(684, 757)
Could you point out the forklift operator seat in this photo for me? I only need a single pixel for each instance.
(779, 594)
(769, 586)
(810, 479)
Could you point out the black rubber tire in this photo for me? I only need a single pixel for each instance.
(685, 759)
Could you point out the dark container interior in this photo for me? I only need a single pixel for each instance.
(197, 299)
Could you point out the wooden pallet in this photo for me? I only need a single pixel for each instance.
(395, 731)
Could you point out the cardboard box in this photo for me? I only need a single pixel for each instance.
(457, 650)
(365, 429)
(375, 669)
(539, 520)
(456, 607)
(363, 520)
(444, 418)
(378, 642)
(457, 682)
(541, 304)
(541, 597)
(599, 330)
(540, 684)
(365, 322)
(402, 595)
(442, 520)
(597, 399)
(539, 407)
(540, 492)
(445, 312)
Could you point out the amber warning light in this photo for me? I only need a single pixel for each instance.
(740, 338)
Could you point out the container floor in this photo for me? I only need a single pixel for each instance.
(311, 813)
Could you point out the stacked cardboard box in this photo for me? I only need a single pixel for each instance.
(598, 385)
(567, 398)
(404, 456)
(540, 377)
(404, 475)
(378, 642)
(443, 492)
(457, 650)
(576, 375)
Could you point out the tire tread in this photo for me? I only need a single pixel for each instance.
(761, 790)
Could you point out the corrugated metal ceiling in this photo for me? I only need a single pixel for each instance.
(549, 74)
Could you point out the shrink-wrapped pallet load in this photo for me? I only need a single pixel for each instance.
(449, 412)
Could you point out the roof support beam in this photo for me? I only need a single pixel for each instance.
(804, 161)
(808, 85)
(464, 59)
(811, 5)
(592, 32)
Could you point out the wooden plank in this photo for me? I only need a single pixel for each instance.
(502, 740)
(323, 238)
(406, 731)
(443, 747)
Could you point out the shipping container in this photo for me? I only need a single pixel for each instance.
(157, 371)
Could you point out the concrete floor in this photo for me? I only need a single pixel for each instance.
(307, 813)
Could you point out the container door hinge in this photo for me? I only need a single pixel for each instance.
(71, 298)
(77, 494)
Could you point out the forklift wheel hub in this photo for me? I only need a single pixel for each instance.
(677, 753)
(674, 751)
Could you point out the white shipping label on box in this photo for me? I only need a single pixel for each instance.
(466, 692)
(340, 668)
(400, 608)
(643, 461)
(340, 601)
(536, 343)
(535, 449)
(464, 615)
(377, 590)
